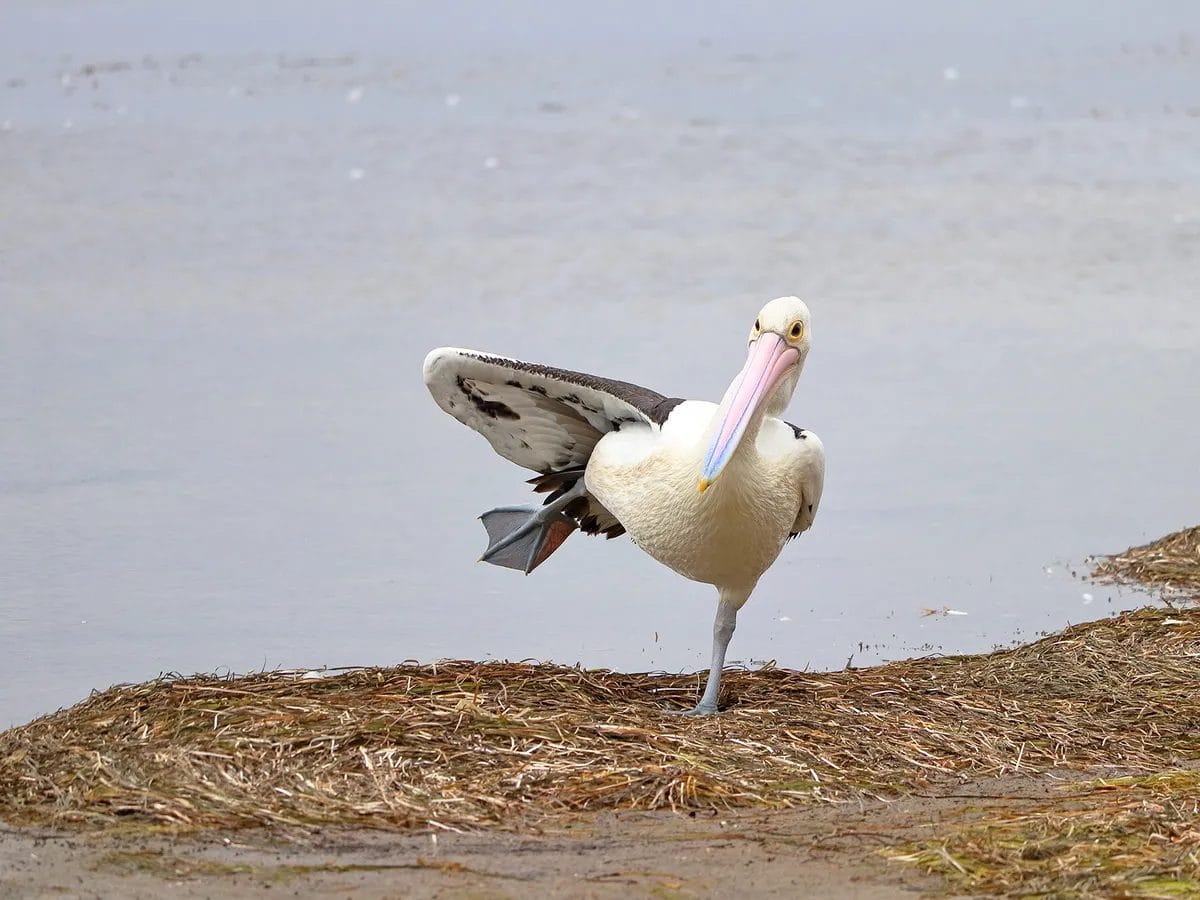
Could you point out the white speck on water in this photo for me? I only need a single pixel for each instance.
(955, 612)
(68, 124)
(491, 163)
(83, 621)
(65, 80)
(453, 100)
(1048, 570)
(354, 95)
(1018, 102)
(356, 174)
(785, 619)
(950, 73)
(1087, 598)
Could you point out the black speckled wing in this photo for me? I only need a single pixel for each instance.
(539, 417)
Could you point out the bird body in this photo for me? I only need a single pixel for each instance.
(730, 534)
(713, 491)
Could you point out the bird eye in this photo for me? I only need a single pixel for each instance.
(756, 325)
(797, 330)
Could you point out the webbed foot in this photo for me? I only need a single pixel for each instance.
(700, 709)
(522, 537)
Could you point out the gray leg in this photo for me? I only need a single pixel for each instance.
(723, 625)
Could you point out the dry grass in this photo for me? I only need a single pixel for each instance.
(1170, 564)
(462, 744)
(1123, 837)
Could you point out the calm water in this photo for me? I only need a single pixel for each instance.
(228, 236)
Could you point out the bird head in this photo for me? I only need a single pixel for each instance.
(779, 343)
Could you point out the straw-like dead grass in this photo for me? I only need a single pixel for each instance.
(1171, 565)
(464, 744)
(1121, 837)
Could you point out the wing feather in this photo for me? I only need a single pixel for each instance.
(545, 419)
(809, 459)
(539, 417)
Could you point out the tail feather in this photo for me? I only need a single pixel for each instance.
(523, 537)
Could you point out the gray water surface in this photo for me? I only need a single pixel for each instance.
(230, 232)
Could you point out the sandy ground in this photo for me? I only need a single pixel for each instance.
(826, 851)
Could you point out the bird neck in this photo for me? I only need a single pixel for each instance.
(782, 395)
(773, 405)
(745, 448)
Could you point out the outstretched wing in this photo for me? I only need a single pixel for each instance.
(809, 460)
(545, 419)
(542, 418)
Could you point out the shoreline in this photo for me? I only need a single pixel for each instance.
(1025, 770)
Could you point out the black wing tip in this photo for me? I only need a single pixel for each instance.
(662, 411)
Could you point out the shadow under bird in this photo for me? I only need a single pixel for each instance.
(711, 491)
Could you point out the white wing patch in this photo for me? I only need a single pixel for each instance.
(542, 418)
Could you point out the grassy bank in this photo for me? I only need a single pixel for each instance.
(465, 744)
(1170, 566)
(1135, 836)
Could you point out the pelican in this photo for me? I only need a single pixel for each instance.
(712, 491)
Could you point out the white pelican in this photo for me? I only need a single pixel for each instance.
(713, 492)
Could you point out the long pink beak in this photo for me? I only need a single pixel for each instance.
(770, 357)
